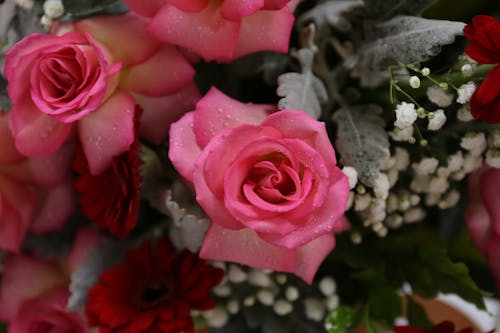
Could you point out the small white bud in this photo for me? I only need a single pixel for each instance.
(392, 203)
(414, 215)
(414, 82)
(25, 4)
(356, 237)
(475, 143)
(449, 200)
(437, 121)
(332, 302)
(414, 199)
(315, 309)
(406, 115)
(438, 185)
(426, 166)
(467, 70)
(394, 221)
(361, 202)
(281, 278)
(493, 158)
(494, 139)
(327, 286)
(455, 161)
(232, 306)
(53, 8)
(420, 183)
(259, 278)
(282, 307)
(425, 71)
(350, 201)
(352, 176)
(217, 317)
(249, 301)
(439, 97)
(465, 92)
(222, 290)
(265, 296)
(463, 114)
(236, 274)
(432, 199)
(402, 158)
(292, 294)
(381, 186)
(401, 135)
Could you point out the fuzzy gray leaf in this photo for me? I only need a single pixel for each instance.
(99, 259)
(5, 103)
(302, 91)
(78, 9)
(362, 140)
(385, 9)
(330, 14)
(405, 40)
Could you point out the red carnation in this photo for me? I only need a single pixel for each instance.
(484, 36)
(485, 102)
(111, 199)
(154, 290)
(443, 327)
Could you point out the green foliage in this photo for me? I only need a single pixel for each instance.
(417, 317)
(340, 319)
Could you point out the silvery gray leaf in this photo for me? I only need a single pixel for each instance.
(7, 13)
(385, 9)
(108, 253)
(330, 14)
(362, 141)
(302, 91)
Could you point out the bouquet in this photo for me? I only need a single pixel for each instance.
(248, 165)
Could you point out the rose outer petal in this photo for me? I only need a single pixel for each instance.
(235, 10)
(256, 30)
(56, 207)
(108, 132)
(24, 278)
(205, 32)
(489, 188)
(216, 112)
(476, 216)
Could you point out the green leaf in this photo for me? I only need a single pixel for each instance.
(302, 91)
(361, 140)
(417, 316)
(340, 319)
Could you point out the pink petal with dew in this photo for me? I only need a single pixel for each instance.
(56, 206)
(160, 112)
(292, 4)
(490, 185)
(205, 33)
(311, 255)
(216, 112)
(275, 4)
(235, 10)
(145, 8)
(266, 30)
(183, 149)
(298, 125)
(86, 241)
(108, 132)
(323, 221)
(136, 48)
(8, 151)
(476, 216)
(343, 225)
(12, 228)
(24, 278)
(176, 72)
(189, 6)
(245, 247)
(35, 133)
(49, 171)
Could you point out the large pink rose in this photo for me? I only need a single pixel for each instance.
(483, 216)
(34, 291)
(89, 80)
(35, 193)
(220, 30)
(269, 183)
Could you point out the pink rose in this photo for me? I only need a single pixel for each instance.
(220, 30)
(35, 193)
(34, 291)
(89, 80)
(483, 216)
(269, 183)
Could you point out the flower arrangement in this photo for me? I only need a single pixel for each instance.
(247, 166)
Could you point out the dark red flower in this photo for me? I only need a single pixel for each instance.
(443, 327)
(154, 290)
(111, 199)
(484, 36)
(485, 102)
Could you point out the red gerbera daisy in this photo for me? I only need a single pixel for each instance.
(443, 327)
(111, 199)
(154, 290)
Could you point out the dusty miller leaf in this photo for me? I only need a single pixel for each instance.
(405, 40)
(105, 255)
(302, 91)
(78, 9)
(331, 14)
(385, 9)
(362, 140)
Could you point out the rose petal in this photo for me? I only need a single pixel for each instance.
(110, 30)
(12, 228)
(86, 240)
(235, 10)
(265, 30)
(8, 151)
(493, 253)
(489, 187)
(189, 6)
(107, 132)
(57, 206)
(183, 149)
(24, 278)
(216, 112)
(311, 255)
(205, 32)
(245, 247)
(476, 216)
(145, 8)
(144, 79)
(35, 133)
(160, 112)
(275, 4)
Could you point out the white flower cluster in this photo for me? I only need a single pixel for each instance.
(52, 9)
(276, 291)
